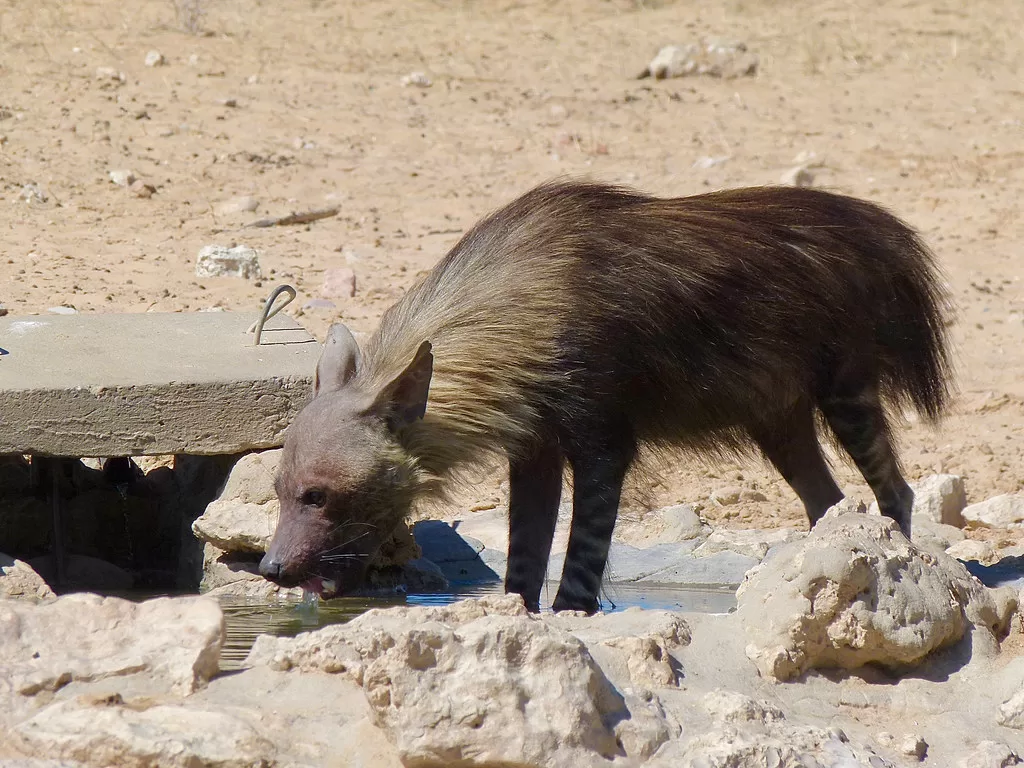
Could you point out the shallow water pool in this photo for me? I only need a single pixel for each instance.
(247, 619)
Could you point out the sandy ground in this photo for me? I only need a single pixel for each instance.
(300, 104)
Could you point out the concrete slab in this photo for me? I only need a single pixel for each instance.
(150, 383)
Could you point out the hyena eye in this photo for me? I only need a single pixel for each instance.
(314, 498)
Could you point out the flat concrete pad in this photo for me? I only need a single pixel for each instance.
(150, 383)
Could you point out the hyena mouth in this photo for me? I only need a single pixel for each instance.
(318, 585)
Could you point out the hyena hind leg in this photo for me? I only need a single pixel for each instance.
(535, 488)
(791, 445)
(859, 423)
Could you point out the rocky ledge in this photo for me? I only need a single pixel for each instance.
(850, 647)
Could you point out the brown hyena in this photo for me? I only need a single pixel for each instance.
(583, 322)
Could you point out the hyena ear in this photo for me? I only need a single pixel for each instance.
(338, 362)
(404, 400)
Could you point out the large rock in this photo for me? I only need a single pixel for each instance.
(941, 498)
(1006, 511)
(112, 733)
(87, 637)
(243, 517)
(19, 581)
(480, 682)
(855, 591)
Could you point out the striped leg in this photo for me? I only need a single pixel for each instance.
(791, 445)
(858, 420)
(535, 488)
(597, 487)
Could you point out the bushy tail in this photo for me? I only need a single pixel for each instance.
(915, 337)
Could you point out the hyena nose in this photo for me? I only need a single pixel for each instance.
(270, 568)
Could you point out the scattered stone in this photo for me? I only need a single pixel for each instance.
(910, 745)
(243, 204)
(33, 193)
(155, 59)
(221, 568)
(681, 523)
(798, 176)
(3, 311)
(935, 537)
(19, 582)
(115, 732)
(855, 591)
(141, 189)
(228, 102)
(941, 498)
(123, 177)
(713, 59)
(418, 79)
(111, 637)
(339, 283)
(969, 549)
(218, 261)
(63, 310)
(109, 73)
(1006, 511)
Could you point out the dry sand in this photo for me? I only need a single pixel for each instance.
(918, 106)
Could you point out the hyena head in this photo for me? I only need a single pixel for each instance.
(344, 482)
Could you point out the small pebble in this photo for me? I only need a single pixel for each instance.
(109, 73)
(33, 193)
(725, 497)
(123, 178)
(141, 189)
(63, 310)
(243, 204)
(798, 176)
(339, 283)
(418, 79)
(155, 59)
(236, 261)
(914, 746)
(3, 310)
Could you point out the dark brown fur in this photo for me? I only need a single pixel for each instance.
(583, 322)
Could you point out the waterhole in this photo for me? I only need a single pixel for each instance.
(246, 619)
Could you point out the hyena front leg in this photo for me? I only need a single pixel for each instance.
(597, 488)
(535, 488)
